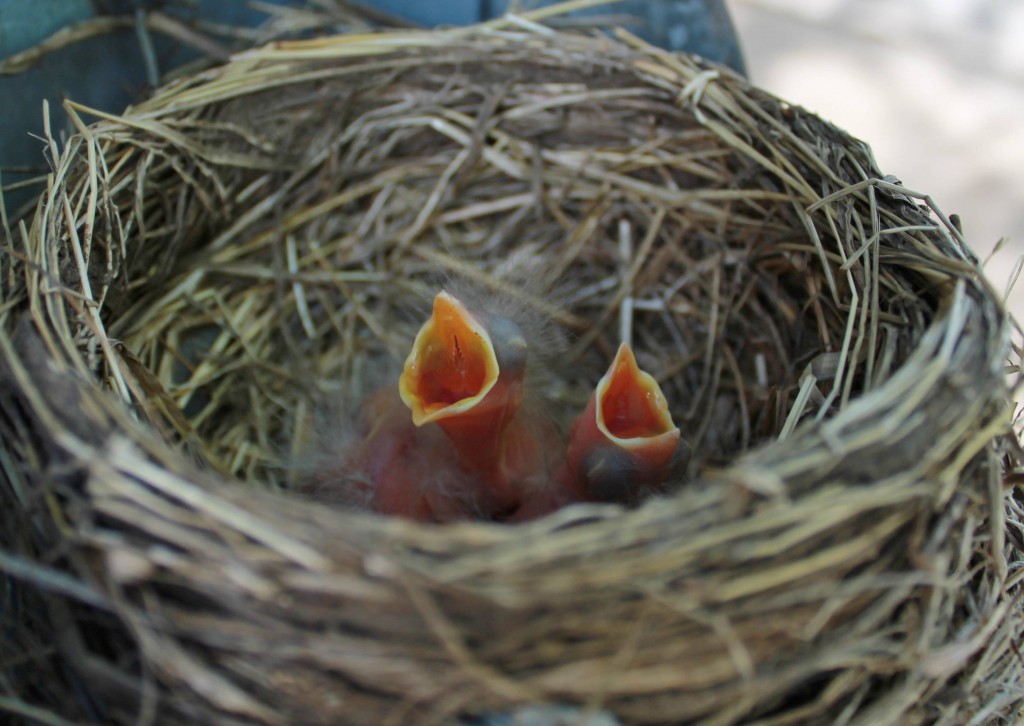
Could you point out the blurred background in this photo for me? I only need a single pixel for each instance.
(936, 87)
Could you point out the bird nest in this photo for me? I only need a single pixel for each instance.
(213, 279)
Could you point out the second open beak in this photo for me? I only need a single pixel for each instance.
(625, 440)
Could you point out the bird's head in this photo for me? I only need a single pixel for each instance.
(625, 443)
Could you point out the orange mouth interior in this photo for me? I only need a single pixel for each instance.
(630, 402)
(452, 364)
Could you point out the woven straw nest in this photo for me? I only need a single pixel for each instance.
(204, 272)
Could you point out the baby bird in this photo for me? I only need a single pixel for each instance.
(465, 374)
(454, 440)
(624, 444)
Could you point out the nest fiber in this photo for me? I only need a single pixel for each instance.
(212, 279)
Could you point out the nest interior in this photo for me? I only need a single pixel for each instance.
(213, 278)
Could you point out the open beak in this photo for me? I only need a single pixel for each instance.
(465, 373)
(625, 440)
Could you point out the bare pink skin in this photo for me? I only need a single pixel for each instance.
(414, 472)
